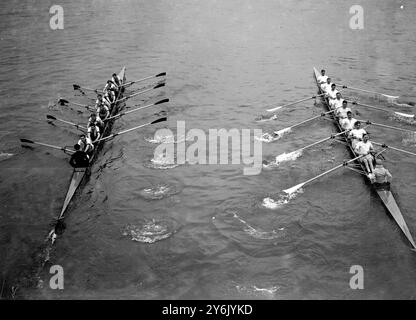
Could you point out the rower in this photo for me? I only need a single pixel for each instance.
(326, 86)
(332, 94)
(94, 120)
(103, 112)
(365, 148)
(85, 144)
(348, 122)
(116, 80)
(109, 86)
(79, 159)
(322, 78)
(341, 112)
(100, 101)
(110, 96)
(382, 176)
(337, 102)
(93, 133)
(356, 134)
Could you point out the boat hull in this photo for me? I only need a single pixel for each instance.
(385, 195)
(79, 174)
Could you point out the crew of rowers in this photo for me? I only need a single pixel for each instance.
(358, 136)
(96, 123)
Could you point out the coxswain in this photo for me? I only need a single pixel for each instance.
(94, 120)
(356, 134)
(382, 177)
(322, 78)
(79, 159)
(103, 112)
(348, 122)
(365, 148)
(85, 144)
(326, 86)
(93, 133)
(332, 94)
(341, 112)
(337, 102)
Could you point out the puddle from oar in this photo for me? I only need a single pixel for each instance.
(253, 290)
(258, 233)
(158, 192)
(150, 231)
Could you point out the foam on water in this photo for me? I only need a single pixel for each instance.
(150, 231)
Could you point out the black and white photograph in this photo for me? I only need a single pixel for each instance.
(207, 150)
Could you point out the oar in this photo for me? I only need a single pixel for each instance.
(282, 131)
(381, 109)
(47, 145)
(300, 185)
(143, 79)
(292, 103)
(310, 145)
(51, 117)
(78, 87)
(368, 91)
(141, 92)
(63, 102)
(386, 126)
(131, 129)
(137, 109)
(393, 148)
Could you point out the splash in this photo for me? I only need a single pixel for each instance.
(149, 232)
(264, 118)
(270, 203)
(5, 155)
(165, 139)
(161, 163)
(267, 137)
(254, 290)
(158, 192)
(291, 156)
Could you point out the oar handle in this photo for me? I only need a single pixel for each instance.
(46, 145)
(388, 127)
(383, 145)
(143, 79)
(292, 103)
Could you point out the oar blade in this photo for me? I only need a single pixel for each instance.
(405, 115)
(159, 85)
(62, 101)
(273, 109)
(161, 74)
(283, 131)
(48, 116)
(294, 189)
(26, 141)
(159, 120)
(76, 86)
(162, 101)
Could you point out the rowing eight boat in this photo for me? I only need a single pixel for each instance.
(79, 173)
(385, 195)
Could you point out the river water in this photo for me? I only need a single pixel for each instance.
(143, 229)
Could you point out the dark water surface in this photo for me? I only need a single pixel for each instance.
(139, 229)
